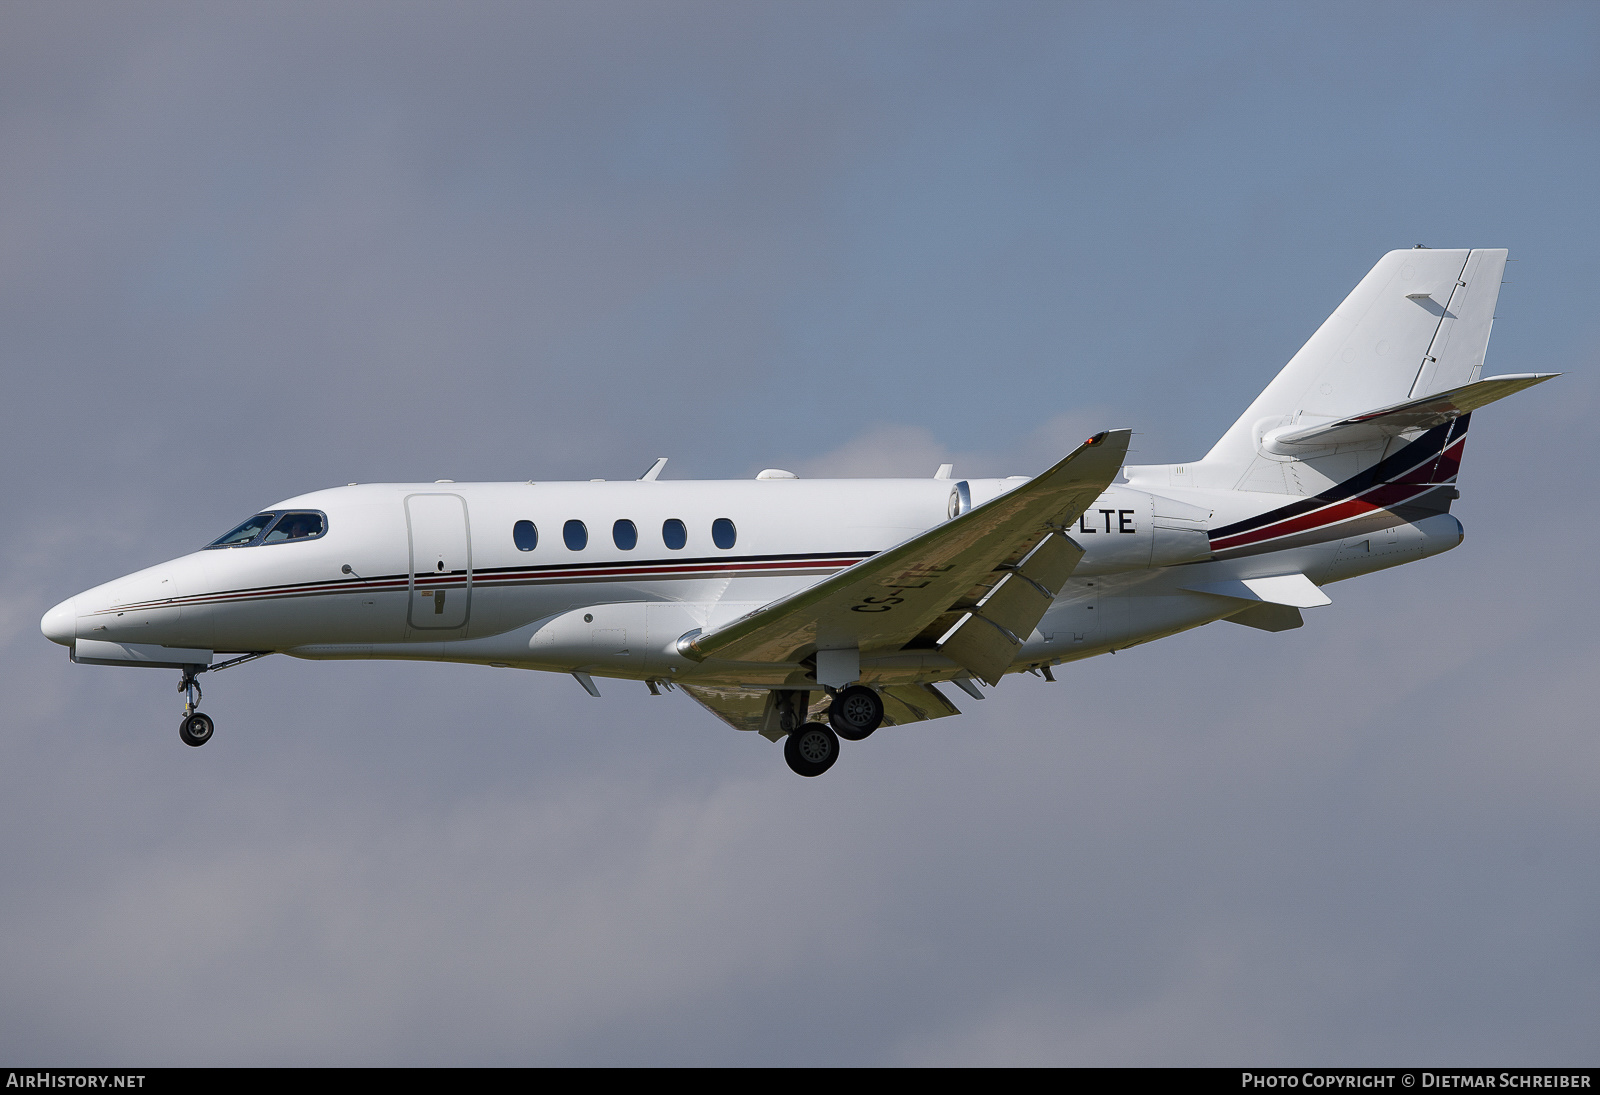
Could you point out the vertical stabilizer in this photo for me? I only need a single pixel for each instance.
(1417, 324)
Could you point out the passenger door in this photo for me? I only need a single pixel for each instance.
(441, 562)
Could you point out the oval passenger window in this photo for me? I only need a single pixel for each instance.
(576, 536)
(723, 534)
(625, 535)
(526, 535)
(673, 534)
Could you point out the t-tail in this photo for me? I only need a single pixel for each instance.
(1369, 419)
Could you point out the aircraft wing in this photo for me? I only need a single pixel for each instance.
(745, 708)
(903, 703)
(1415, 414)
(990, 573)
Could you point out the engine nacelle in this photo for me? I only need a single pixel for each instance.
(1129, 529)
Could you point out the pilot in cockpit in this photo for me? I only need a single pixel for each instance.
(297, 525)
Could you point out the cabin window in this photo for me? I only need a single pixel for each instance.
(245, 533)
(625, 535)
(674, 534)
(723, 534)
(295, 526)
(525, 534)
(575, 534)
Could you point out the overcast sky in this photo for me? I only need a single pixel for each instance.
(250, 250)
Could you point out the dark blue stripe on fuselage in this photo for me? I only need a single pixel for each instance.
(1431, 444)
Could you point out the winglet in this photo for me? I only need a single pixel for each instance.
(655, 470)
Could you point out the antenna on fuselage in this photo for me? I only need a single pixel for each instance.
(655, 470)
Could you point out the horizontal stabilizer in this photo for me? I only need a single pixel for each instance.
(1414, 414)
(1267, 617)
(1294, 590)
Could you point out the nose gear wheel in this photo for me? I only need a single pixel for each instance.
(196, 729)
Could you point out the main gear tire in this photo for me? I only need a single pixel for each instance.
(812, 749)
(856, 712)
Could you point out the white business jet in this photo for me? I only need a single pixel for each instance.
(813, 610)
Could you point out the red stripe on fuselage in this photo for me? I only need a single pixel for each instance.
(1433, 472)
(532, 576)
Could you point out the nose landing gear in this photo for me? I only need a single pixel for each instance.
(195, 729)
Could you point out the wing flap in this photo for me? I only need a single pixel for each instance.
(903, 703)
(740, 708)
(983, 646)
(988, 640)
(1052, 563)
(749, 708)
(887, 600)
(1016, 604)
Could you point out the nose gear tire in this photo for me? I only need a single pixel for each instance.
(197, 729)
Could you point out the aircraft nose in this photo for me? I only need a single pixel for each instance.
(60, 624)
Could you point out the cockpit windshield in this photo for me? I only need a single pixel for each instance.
(278, 527)
(245, 533)
(295, 526)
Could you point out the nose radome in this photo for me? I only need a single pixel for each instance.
(60, 624)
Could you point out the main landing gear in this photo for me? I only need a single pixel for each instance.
(856, 712)
(812, 747)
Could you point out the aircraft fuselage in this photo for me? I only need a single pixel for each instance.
(435, 571)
